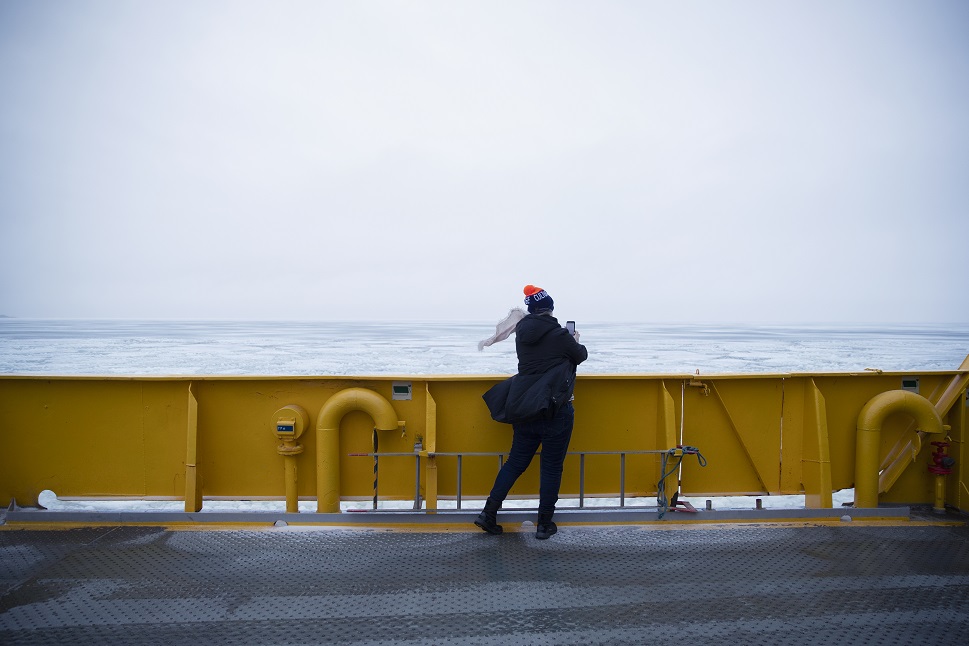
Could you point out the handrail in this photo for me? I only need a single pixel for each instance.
(460, 455)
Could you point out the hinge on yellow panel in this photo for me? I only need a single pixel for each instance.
(696, 383)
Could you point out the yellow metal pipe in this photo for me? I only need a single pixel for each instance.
(288, 424)
(328, 438)
(292, 494)
(868, 438)
(905, 451)
(939, 505)
(289, 449)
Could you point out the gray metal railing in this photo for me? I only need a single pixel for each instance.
(501, 458)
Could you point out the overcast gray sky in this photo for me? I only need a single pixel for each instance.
(768, 162)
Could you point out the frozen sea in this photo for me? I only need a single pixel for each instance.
(289, 348)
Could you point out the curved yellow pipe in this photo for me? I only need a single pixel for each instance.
(328, 438)
(868, 438)
(904, 452)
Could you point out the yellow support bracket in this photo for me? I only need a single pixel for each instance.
(193, 485)
(815, 450)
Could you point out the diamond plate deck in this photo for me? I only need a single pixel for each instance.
(852, 583)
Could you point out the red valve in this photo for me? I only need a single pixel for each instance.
(942, 463)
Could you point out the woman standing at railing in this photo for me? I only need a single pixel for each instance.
(538, 403)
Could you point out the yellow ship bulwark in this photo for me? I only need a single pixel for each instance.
(195, 438)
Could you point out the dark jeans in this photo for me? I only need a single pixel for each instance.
(554, 436)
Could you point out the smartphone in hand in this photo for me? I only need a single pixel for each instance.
(570, 326)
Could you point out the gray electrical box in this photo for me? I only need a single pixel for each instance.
(911, 384)
(401, 390)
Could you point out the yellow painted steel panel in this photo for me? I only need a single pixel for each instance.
(760, 434)
(87, 437)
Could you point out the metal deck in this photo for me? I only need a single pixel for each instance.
(860, 582)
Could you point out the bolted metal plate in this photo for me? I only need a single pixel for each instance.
(859, 584)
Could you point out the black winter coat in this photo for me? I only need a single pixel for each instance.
(547, 358)
(542, 344)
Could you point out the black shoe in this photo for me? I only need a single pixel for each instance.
(488, 518)
(488, 522)
(545, 527)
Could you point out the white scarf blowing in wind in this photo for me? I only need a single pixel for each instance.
(504, 328)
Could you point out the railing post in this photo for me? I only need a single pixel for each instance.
(622, 479)
(459, 480)
(417, 483)
(581, 480)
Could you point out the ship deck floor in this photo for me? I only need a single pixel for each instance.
(816, 582)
